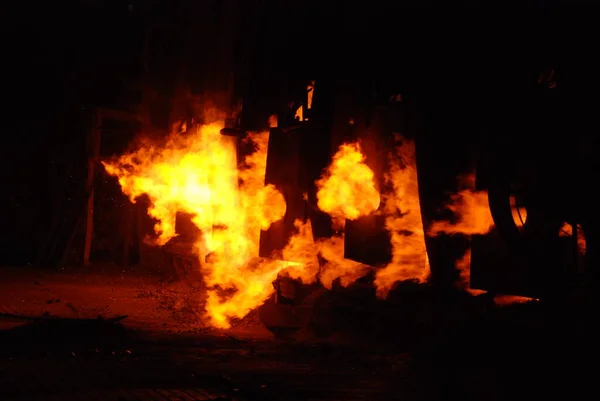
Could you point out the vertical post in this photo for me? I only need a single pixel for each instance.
(94, 138)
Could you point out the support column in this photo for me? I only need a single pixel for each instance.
(94, 138)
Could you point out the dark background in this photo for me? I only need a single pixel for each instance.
(469, 69)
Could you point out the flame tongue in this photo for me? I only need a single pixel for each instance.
(403, 221)
(198, 174)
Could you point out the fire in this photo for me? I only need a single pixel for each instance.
(336, 266)
(347, 190)
(303, 252)
(472, 216)
(471, 209)
(403, 221)
(463, 265)
(472, 213)
(197, 172)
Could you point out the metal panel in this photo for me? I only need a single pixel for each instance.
(367, 240)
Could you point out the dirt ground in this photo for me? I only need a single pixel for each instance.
(410, 347)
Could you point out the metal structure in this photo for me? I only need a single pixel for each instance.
(301, 147)
(535, 257)
(540, 196)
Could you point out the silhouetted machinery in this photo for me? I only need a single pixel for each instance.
(537, 177)
(300, 150)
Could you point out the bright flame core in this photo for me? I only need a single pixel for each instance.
(197, 173)
(347, 189)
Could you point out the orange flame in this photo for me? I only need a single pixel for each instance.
(197, 173)
(403, 221)
(304, 251)
(473, 216)
(347, 189)
(336, 266)
(470, 207)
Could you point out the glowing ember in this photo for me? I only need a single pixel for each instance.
(197, 173)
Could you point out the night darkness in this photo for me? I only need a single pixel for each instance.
(470, 69)
(506, 89)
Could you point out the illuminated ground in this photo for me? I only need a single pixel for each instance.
(473, 353)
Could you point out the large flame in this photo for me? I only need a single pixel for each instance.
(197, 173)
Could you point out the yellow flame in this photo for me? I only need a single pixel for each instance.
(197, 173)
(347, 189)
